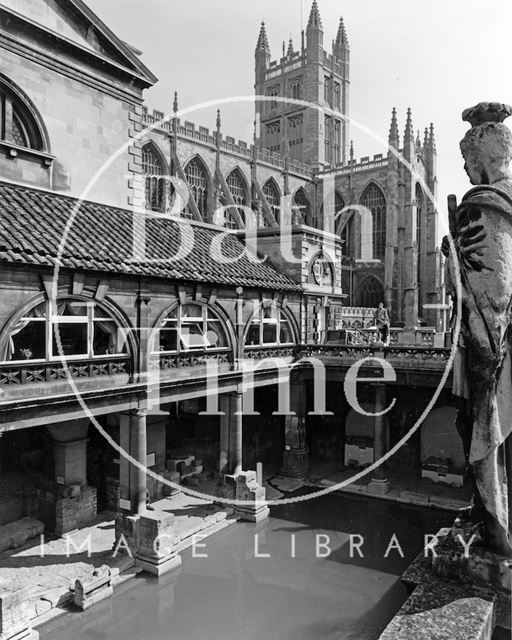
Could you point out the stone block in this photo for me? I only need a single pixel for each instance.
(14, 612)
(94, 588)
(15, 534)
(174, 477)
(76, 510)
(151, 539)
(247, 490)
(438, 610)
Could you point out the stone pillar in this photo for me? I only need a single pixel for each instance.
(231, 440)
(379, 483)
(236, 444)
(225, 407)
(72, 501)
(295, 457)
(133, 438)
(139, 441)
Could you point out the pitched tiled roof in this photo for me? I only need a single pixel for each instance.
(100, 238)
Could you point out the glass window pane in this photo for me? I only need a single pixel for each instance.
(253, 334)
(169, 338)
(285, 333)
(28, 343)
(71, 308)
(191, 311)
(192, 336)
(105, 338)
(73, 339)
(216, 335)
(269, 333)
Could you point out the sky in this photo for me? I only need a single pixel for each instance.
(435, 56)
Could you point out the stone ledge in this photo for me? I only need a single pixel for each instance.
(441, 611)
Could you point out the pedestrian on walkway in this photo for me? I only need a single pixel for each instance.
(381, 317)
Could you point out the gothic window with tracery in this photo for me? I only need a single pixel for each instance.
(238, 190)
(373, 199)
(370, 292)
(301, 207)
(155, 182)
(198, 182)
(273, 197)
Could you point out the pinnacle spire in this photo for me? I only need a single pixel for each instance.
(314, 17)
(418, 139)
(175, 103)
(408, 134)
(425, 138)
(262, 44)
(431, 138)
(290, 48)
(341, 37)
(394, 138)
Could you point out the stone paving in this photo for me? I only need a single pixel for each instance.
(404, 487)
(49, 567)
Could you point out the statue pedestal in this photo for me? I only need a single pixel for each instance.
(245, 488)
(465, 592)
(151, 539)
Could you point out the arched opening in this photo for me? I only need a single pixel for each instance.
(71, 327)
(442, 456)
(155, 178)
(269, 325)
(197, 178)
(373, 199)
(191, 326)
(20, 122)
(370, 292)
(239, 191)
(273, 196)
(301, 208)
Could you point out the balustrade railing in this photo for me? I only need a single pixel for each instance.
(22, 373)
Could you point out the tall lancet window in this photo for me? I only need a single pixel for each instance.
(373, 199)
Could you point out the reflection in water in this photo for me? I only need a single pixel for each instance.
(239, 592)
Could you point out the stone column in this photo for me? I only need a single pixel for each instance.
(295, 457)
(139, 452)
(379, 483)
(231, 441)
(133, 438)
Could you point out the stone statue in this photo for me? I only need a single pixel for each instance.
(481, 227)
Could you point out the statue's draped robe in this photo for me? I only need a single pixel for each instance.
(484, 368)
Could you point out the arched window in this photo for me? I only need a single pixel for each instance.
(189, 327)
(346, 231)
(420, 216)
(155, 180)
(237, 187)
(198, 182)
(71, 328)
(373, 199)
(370, 292)
(269, 326)
(301, 207)
(19, 120)
(271, 193)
